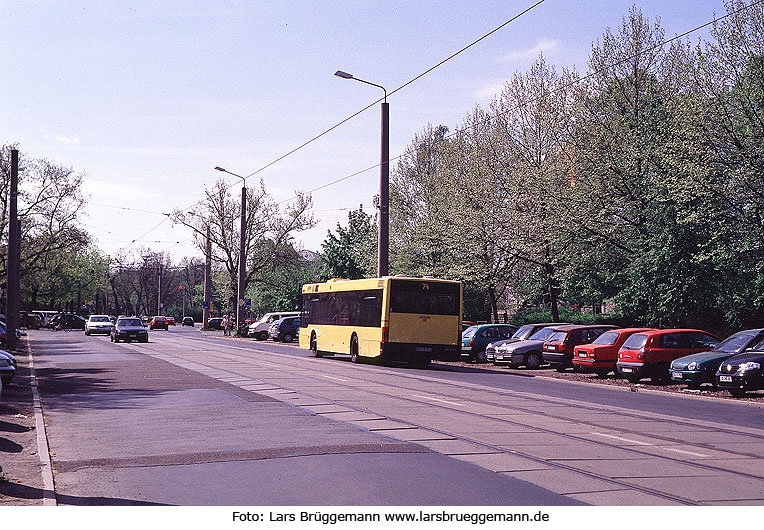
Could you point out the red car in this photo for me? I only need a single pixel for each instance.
(601, 355)
(558, 347)
(170, 321)
(649, 353)
(158, 322)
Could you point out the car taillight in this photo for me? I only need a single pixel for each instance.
(385, 334)
(472, 342)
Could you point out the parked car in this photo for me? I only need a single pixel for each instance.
(601, 355)
(170, 321)
(558, 348)
(188, 321)
(158, 322)
(67, 321)
(98, 324)
(30, 320)
(476, 338)
(523, 333)
(8, 367)
(259, 329)
(525, 352)
(285, 329)
(649, 353)
(129, 328)
(215, 323)
(741, 373)
(467, 323)
(699, 368)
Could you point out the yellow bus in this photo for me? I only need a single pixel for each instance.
(392, 318)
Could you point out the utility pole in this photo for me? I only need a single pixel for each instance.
(13, 287)
(207, 282)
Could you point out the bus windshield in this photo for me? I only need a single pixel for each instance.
(423, 297)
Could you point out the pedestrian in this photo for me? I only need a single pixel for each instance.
(227, 325)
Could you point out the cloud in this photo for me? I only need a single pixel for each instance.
(67, 140)
(542, 46)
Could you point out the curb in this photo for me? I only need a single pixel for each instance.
(49, 490)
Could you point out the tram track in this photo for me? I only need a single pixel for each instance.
(290, 367)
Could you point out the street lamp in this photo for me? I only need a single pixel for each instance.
(384, 180)
(242, 256)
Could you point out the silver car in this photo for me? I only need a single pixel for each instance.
(7, 367)
(525, 352)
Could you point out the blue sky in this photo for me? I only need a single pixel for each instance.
(147, 97)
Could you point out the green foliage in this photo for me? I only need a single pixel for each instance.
(352, 252)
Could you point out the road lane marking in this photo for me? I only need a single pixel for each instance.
(439, 400)
(684, 452)
(331, 377)
(635, 442)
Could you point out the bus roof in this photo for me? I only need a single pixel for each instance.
(343, 284)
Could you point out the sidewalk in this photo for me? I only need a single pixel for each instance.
(20, 472)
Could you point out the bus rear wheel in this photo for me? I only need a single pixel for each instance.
(354, 357)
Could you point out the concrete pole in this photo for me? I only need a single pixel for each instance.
(242, 261)
(384, 195)
(13, 286)
(207, 282)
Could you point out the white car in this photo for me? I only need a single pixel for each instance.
(98, 324)
(259, 329)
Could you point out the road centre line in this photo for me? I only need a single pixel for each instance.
(635, 442)
(438, 400)
(332, 377)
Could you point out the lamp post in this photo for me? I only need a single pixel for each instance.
(242, 250)
(383, 243)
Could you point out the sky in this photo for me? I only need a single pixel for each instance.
(146, 98)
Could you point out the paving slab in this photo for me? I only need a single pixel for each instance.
(456, 447)
(503, 462)
(624, 498)
(640, 467)
(517, 439)
(565, 482)
(416, 434)
(716, 488)
(580, 451)
(381, 425)
(321, 409)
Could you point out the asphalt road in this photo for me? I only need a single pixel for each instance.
(193, 418)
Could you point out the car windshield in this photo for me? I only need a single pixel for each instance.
(737, 342)
(542, 334)
(129, 322)
(635, 342)
(469, 332)
(607, 339)
(100, 319)
(557, 336)
(524, 332)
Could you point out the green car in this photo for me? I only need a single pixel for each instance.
(476, 338)
(699, 368)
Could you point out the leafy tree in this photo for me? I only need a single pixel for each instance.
(269, 230)
(352, 252)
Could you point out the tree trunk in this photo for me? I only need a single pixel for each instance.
(492, 301)
(552, 293)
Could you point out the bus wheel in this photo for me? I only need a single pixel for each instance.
(314, 345)
(354, 357)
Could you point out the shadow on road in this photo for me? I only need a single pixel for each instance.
(21, 491)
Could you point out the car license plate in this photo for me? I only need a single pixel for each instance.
(499, 357)
(676, 375)
(725, 378)
(627, 370)
(466, 348)
(424, 349)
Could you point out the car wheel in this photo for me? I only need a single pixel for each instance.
(633, 378)
(602, 372)
(533, 360)
(288, 337)
(263, 335)
(481, 357)
(661, 376)
(560, 368)
(314, 346)
(354, 356)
